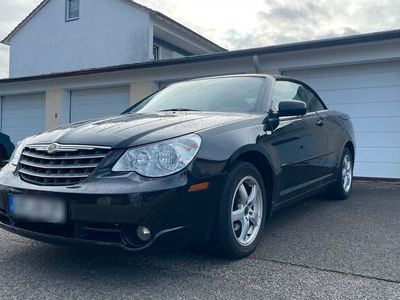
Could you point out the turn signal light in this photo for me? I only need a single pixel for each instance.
(199, 187)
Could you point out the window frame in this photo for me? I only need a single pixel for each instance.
(158, 52)
(68, 11)
(295, 81)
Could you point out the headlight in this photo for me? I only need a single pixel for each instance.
(160, 159)
(17, 153)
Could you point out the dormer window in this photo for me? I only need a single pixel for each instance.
(72, 11)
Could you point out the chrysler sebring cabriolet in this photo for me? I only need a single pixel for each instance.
(204, 161)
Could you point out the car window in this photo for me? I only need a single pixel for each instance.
(225, 94)
(312, 101)
(287, 90)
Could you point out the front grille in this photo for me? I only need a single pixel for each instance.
(67, 165)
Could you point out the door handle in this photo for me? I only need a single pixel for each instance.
(320, 123)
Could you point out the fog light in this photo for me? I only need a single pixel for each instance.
(143, 233)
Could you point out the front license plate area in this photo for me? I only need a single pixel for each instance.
(37, 208)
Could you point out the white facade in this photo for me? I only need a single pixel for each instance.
(107, 33)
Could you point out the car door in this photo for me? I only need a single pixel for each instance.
(297, 143)
(316, 116)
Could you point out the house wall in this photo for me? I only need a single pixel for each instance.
(167, 53)
(112, 32)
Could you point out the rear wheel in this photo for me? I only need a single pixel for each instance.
(241, 215)
(344, 181)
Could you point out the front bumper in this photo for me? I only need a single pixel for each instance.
(163, 238)
(107, 211)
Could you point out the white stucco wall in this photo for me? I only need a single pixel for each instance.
(107, 33)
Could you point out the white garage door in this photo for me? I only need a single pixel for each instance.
(96, 103)
(23, 115)
(370, 94)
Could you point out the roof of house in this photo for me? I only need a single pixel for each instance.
(151, 11)
(291, 47)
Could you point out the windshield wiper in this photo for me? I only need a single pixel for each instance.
(179, 109)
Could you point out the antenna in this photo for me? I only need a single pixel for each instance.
(256, 64)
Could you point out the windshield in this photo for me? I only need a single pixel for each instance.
(231, 94)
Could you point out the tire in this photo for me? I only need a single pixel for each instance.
(230, 239)
(341, 189)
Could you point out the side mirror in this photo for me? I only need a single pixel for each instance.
(292, 108)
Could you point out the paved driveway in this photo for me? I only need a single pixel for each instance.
(315, 249)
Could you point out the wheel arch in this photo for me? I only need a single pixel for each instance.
(263, 164)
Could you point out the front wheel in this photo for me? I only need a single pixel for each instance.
(241, 216)
(344, 181)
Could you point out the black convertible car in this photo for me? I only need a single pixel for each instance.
(203, 161)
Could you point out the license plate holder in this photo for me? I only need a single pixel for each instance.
(37, 208)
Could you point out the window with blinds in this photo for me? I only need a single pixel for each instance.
(72, 10)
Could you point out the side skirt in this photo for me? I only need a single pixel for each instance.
(305, 195)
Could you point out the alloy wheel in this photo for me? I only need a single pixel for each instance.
(247, 210)
(347, 173)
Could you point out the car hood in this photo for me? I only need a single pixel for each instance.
(137, 129)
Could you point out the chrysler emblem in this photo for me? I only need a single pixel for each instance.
(52, 148)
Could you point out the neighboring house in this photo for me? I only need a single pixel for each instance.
(70, 35)
(359, 75)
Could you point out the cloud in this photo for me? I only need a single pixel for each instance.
(285, 21)
(12, 12)
(3, 61)
(243, 24)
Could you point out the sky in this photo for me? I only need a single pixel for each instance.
(239, 24)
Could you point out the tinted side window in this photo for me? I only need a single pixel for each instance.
(312, 102)
(287, 90)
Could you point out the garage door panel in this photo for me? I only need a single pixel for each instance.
(376, 125)
(355, 70)
(23, 115)
(358, 78)
(370, 94)
(29, 114)
(97, 103)
(378, 155)
(351, 82)
(379, 170)
(100, 107)
(389, 70)
(383, 140)
(17, 116)
(377, 109)
(365, 95)
(30, 102)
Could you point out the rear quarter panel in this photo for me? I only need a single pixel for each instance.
(340, 132)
